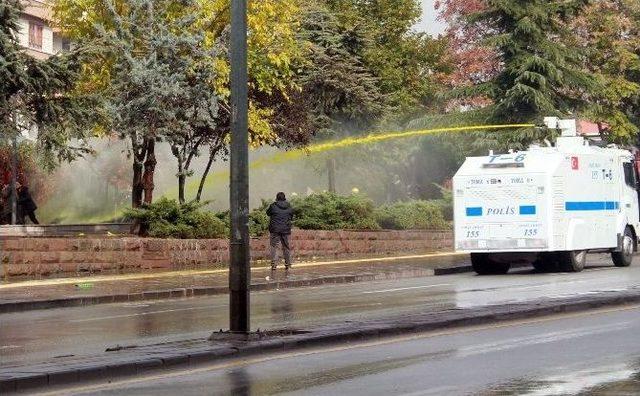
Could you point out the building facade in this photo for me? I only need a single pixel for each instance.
(36, 33)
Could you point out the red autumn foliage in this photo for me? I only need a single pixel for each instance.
(28, 174)
(475, 62)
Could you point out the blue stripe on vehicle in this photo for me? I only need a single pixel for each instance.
(610, 205)
(591, 205)
(476, 211)
(527, 210)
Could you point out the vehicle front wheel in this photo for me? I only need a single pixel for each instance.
(483, 264)
(624, 257)
(573, 261)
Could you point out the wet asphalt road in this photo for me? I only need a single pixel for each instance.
(42, 335)
(594, 353)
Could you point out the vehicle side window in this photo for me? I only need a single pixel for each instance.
(629, 174)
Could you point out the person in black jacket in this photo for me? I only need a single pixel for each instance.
(26, 205)
(280, 216)
(5, 205)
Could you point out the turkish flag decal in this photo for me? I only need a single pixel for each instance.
(574, 163)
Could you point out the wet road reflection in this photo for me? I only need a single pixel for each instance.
(40, 335)
(282, 309)
(593, 353)
(240, 382)
(592, 381)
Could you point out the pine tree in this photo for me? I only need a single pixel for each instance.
(340, 90)
(404, 62)
(540, 73)
(40, 95)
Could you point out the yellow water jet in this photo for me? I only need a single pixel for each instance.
(359, 140)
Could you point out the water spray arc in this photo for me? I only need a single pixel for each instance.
(376, 138)
(362, 140)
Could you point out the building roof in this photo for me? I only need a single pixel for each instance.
(37, 9)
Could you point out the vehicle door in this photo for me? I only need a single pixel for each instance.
(630, 191)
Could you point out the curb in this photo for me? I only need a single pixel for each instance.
(131, 361)
(195, 291)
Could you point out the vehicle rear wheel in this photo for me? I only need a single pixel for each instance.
(624, 257)
(573, 261)
(483, 264)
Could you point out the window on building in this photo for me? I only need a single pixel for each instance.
(66, 45)
(35, 35)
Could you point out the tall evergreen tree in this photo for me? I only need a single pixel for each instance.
(404, 62)
(540, 73)
(341, 92)
(40, 95)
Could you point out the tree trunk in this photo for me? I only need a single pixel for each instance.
(203, 179)
(139, 153)
(149, 169)
(136, 185)
(182, 175)
(147, 182)
(182, 179)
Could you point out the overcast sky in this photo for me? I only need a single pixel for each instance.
(429, 23)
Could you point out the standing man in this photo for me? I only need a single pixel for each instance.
(280, 216)
(26, 205)
(5, 205)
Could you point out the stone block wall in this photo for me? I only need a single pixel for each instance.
(31, 257)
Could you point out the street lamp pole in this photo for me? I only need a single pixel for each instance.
(14, 179)
(239, 270)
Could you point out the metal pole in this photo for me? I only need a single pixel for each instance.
(239, 271)
(331, 170)
(14, 177)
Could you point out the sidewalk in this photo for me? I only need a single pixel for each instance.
(63, 292)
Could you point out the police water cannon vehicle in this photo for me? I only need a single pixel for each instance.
(548, 205)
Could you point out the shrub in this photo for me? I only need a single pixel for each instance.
(445, 203)
(422, 215)
(168, 219)
(445, 207)
(323, 211)
(329, 211)
(258, 220)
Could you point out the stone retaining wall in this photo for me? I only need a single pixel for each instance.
(50, 256)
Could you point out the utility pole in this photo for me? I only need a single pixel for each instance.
(331, 170)
(14, 179)
(239, 271)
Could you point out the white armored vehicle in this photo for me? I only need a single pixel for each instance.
(547, 205)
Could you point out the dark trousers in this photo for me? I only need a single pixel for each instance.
(31, 215)
(283, 239)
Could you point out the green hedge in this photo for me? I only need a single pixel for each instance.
(329, 211)
(258, 220)
(168, 219)
(412, 215)
(324, 211)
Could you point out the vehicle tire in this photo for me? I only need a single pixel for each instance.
(483, 265)
(624, 257)
(573, 261)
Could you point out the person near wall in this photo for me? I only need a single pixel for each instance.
(280, 217)
(5, 204)
(26, 205)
